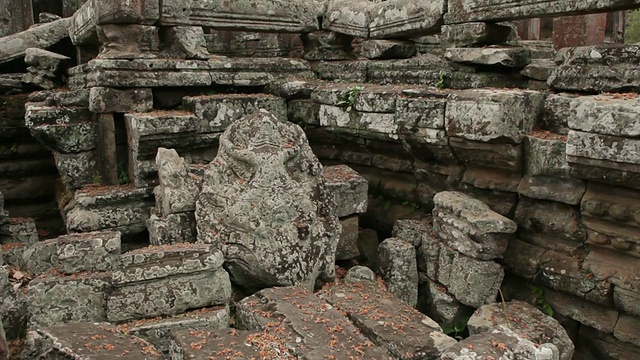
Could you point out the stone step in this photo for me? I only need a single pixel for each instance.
(87, 341)
(391, 324)
(314, 329)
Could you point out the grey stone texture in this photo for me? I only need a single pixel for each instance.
(349, 189)
(167, 280)
(45, 68)
(387, 49)
(74, 253)
(185, 42)
(397, 266)
(526, 321)
(485, 115)
(475, 34)
(611, 69)
(390, 323)
(177, 191)
(265, 190)
(120, 41)
(460, 11)
(119, 208)
(470, 226)
(327, 45)
(311, 324)
(500, 343)
(41, 37)
(86, 340)
(348, 244)
(511, 57)
(109, 100)
(293, 16)
(53, 300)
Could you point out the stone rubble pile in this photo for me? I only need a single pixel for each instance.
(165, 162)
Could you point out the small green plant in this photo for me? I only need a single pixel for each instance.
(458, 330)
(123, 174)
(440, 83)
(14, 148)
(538, 291)
(347, 99)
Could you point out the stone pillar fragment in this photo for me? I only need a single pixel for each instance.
(128, 41)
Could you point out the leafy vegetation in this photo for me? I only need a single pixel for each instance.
(123, 174)
(348, 99)
(538, 291)
(632, 31)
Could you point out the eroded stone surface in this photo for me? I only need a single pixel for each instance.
(316, 328)
(349, 189)
(397, 264)
(264, 202)
(526, 321)
(387, 321)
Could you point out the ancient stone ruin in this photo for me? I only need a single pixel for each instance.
(326, 179)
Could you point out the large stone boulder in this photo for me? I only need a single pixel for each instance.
(265, 203)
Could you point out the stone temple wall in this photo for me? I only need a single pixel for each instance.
(418, 98)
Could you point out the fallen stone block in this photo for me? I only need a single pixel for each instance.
(37, 114)
(160, 331)
(526, 321)
(596, 316)
(54, 300)
(427, 69)
(387, 49)
(74, 253)
(348, 244)
(19, 230)
(77, 169)
(177, 191)
(403, 18)
(513, 57)
(470, 226)
(165, 280)
(375, 126)
(539, 69)
(605, 76)
(398, 267)
(391, 324)
(118, 208)
(314, 328)
(67, 138)
(41, 37)
(350, 189)
(501, 343)
(229, 343)
(85, 340)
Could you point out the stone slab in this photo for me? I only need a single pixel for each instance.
(41, 36)
(391, 324)
(461, 11)
(512, 57)
(607, 114)
(107, 100)
(267, 15)
(160, 331)
(86, 340)
(404, 18)
(168, 296)
(316, 329)
(229, 344)
(55, 300)
(74, 253)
